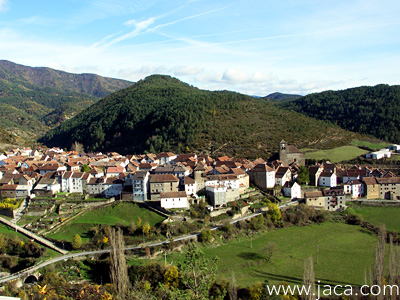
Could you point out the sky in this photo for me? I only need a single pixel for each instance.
(254, 47)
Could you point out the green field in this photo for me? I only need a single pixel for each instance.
(370, 145)
(122, 213)
(390, 216)
(345, 252)
(10, 233)
(336, 154)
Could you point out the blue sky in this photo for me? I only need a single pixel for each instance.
(254, 47)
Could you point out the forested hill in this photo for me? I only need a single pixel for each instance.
(50, 79)
(282, 97)
(162, 113)
(367, 110)
(34, 99)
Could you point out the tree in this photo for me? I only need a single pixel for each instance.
(76, 242)
(146, 228)
(269, 250)
(304, 176)
(85, 168)
(197, 273)
(118, 269)
(274, 212)
(78, 147)
(205, 235)
(379, 262)
(171, 277)
(309, 278)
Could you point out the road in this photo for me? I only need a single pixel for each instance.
(150, 245)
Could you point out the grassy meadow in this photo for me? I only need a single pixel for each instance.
(390, 216)
(335, 155)
(121, 213)
(341, 254)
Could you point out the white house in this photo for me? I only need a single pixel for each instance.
(327, 178)
(379, 154)
(166, 157)
(282, 175)
(354, 187)
(174, 200)
(190, 186)
(292, 189)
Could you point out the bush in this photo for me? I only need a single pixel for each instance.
(205, 235)
(354, 219)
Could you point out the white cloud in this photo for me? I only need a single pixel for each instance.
(3, 5)
(234, 75)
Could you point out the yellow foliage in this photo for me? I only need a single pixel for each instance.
(105, 240)
(171, 276)
(146, 228)
(21, 243)
(139, 222)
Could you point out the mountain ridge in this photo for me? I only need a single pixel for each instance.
(161, 113)
(35, 99)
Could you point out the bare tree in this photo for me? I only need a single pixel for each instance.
(309, 278)
(379, 259)
(78, 147)
(394, 265)
(118, 268)
(233, 288)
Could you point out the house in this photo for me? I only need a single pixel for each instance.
(174, 200)
(292, 189)
(217, 195)
(371, 188)
(8, 191)
(114, 171)
(51, 167)
(354, 187)
(244, 178)
(383, 153)
(166, 157)
(289, 154)
(314, 173)
(327, 178)
(190, 186)
(231, 190)
(334, 200)
(112, 187)
(162, 183)
(140, 183)
(389, 188)
(282, 175)
(47, 186)
(315, 199)
(262, 176)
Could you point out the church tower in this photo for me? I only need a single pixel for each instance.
(282, 151)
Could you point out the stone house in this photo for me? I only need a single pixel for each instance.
(160, 183)
(263, 176)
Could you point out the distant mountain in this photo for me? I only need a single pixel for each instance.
(368, 110)
(162, 113)
(36, 99)
(283, 97)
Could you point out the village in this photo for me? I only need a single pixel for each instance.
(175, 181)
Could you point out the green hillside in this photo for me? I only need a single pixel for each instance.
(36, 99)
(162, 113)
(368, 110)
(282, 97)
